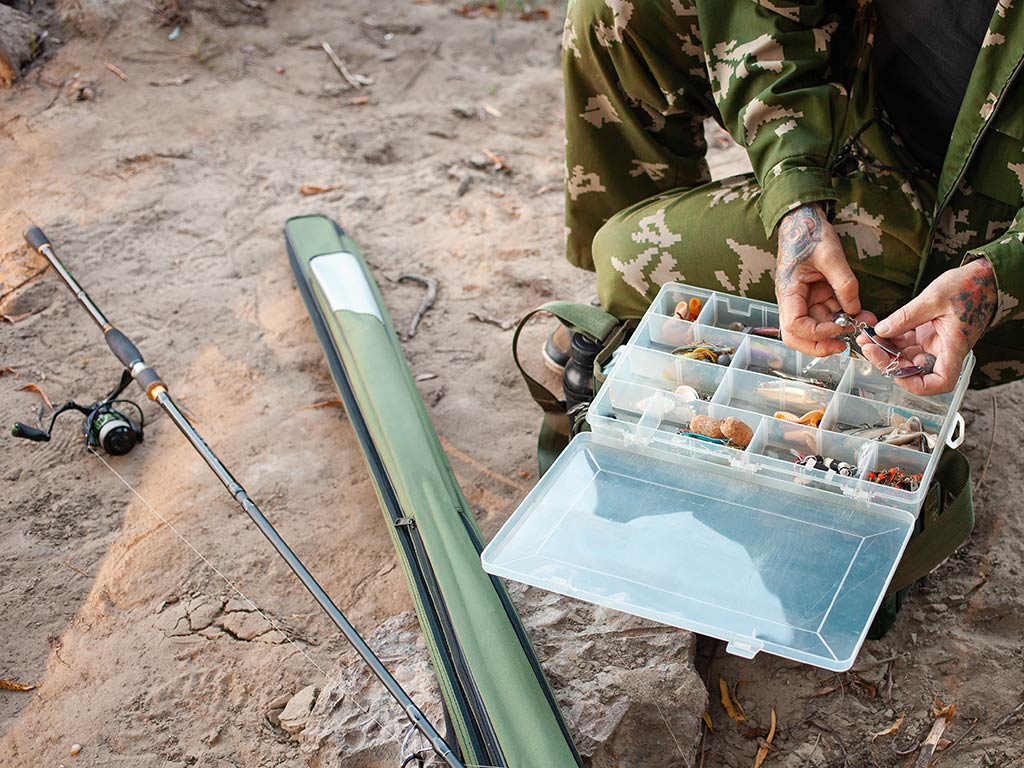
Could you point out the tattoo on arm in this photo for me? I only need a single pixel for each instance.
(800, 231)
(975, 301)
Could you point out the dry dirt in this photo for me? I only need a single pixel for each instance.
(166, 194)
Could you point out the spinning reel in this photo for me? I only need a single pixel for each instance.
(105, 426)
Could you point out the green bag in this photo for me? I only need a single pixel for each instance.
(945, 521)
(498, 703)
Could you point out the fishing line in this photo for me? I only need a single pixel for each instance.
(238, 591)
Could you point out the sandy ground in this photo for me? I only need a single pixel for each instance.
(167, 201)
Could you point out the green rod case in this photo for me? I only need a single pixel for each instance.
(498, 702)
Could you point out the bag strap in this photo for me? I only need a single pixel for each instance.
(588, 319)
(943, 533)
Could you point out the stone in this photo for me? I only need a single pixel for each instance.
(173, 620)
(243, 625)
(202, 611)
(296, 712)
(19, 38)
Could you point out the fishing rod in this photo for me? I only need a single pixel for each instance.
(112, 430)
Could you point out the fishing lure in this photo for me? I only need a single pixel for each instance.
(826, 464)
(790, 394)
(811, 418)
(893, 370)
(687, 310)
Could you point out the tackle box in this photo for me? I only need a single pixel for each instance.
(744, 544)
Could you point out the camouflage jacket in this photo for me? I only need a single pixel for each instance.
(785, 94)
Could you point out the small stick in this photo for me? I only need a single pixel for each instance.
(340, 65)
(1009, 717)
(419, 70)
(991, 443)
(932, 740)
(116, 70)
(505, 325)
(24, 282)
(428, 300)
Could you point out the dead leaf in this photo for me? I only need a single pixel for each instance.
(492, 111)
(116, 70)
(11, 685)
(358, 101)
(727, 704)
(891, 729)
(317, 189)
(38, 390)
(525, 474)
(762, 751)
(425, 376)
(8, 370)
(707, 721)
(333, 403)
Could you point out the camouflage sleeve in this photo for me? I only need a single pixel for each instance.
(768, 61)
(1006, 255)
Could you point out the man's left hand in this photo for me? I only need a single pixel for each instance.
(944, 322)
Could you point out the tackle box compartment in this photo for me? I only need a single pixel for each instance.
(740, 542)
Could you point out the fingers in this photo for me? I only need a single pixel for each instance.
(941, 380)
(805, 333)
(918, 311)
(837, 272)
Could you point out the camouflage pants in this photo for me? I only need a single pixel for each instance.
(641, 209)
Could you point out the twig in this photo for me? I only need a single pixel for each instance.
(1009, 717)
(991, 443)
(75, 568)
(419, 70)
(931, 742)
(505, 325)
(957, 740)
(116, 70)
(428, 300)
(340, 65)
(24, 282)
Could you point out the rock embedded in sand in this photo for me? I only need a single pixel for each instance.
(244, 625)
(202, 611)
(296, 712)
(19, 43)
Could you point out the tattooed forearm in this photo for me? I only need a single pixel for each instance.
(800, 231)
(975, 301)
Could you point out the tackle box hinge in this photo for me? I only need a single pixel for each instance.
(405, 522)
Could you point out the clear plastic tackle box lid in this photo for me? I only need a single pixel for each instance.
(683, 543)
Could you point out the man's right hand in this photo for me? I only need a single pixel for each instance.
(813, 282)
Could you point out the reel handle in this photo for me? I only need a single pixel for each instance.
(29, 433)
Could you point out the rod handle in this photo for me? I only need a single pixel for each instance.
(124, 349)
(29, 433)
(35, 237)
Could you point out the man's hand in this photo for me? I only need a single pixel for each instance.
(813, 282)
(940, 327)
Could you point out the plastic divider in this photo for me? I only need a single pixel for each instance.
(779, 445)
(911, 462)
(775, 358)
(767, 394)
(723, 310)
(849, 412)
